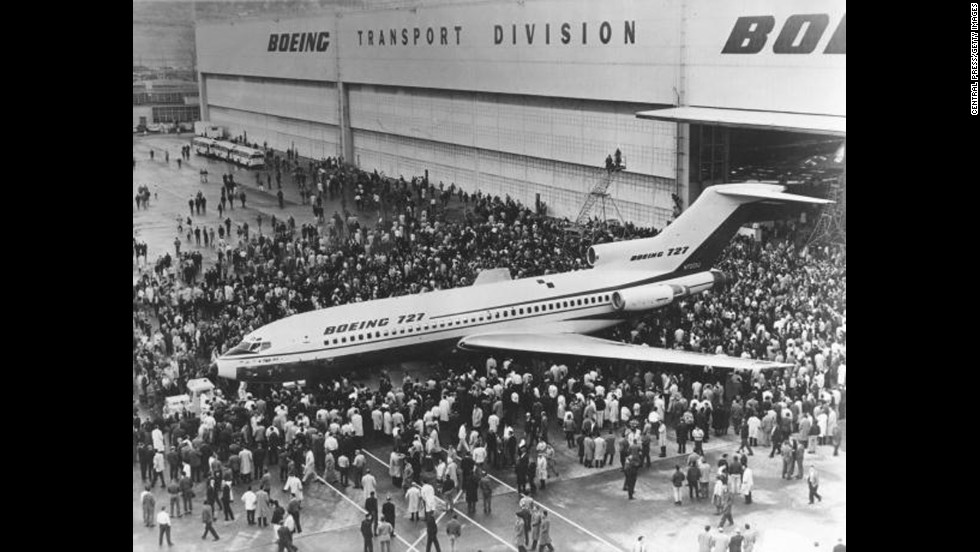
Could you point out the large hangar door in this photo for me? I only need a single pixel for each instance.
(280, 113)
(519, 146)
(709, 157)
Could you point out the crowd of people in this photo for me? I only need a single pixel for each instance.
(450, 432)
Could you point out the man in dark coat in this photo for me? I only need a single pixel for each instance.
(371, 505)
(631, 473)
(693, 478)
(431, 533)
(521, 468)
(682, 430)
(735, 545)
(286, 539)
(471, 486)
(388, 511)
(293, 509)
(367, 531)
(173, 461)
(187, 492)
(487, 489)
(208, 519)
(146, 461)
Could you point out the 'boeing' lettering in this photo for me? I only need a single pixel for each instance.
(800, 35)
(299, 42)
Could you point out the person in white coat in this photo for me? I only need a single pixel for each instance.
(748, 482)
(369, 483)
(294, 486)
(429, 498)
(414, 497)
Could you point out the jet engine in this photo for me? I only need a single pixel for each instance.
(654, 296)
(643, 298)
(617, 252)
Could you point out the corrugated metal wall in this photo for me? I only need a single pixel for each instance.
(283, 113)
(517, 146)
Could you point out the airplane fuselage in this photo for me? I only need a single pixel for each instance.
(414, 327)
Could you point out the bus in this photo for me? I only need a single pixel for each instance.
(222, 150)
(247, 157)
(202, 146)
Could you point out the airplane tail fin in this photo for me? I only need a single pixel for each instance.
(695, 240)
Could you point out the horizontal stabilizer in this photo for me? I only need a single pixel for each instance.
(594, 347)
(769, 194)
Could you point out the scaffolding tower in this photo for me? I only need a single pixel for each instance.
(831, 227)
(599, 195)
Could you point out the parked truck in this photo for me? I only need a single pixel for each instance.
(207, 130)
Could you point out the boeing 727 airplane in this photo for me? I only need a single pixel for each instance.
(549, 315)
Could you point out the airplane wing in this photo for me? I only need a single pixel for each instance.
(586, 346)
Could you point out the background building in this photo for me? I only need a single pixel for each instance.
(528, 98)
(165, 101)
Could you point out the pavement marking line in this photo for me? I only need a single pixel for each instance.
(565, 519)
(558, 515)
(464, 516)
(362, 510)
(418, 540)
(578, 526)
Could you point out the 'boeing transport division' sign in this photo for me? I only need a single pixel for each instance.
(763, 53)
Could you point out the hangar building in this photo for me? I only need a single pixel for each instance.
(527, 98)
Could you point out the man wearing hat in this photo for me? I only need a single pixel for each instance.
(367, 531)
(735, 544)
(388, 511)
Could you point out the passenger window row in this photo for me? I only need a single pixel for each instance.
(495, 315)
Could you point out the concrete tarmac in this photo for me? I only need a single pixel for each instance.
(172, 187)
(588, 509)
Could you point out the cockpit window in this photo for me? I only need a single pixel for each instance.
(248, 347)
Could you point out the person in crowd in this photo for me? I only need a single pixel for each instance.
(385, 532)
(173, 489)
(454, 530)
(149, 503)
(207, 517)
(704, 540)
(520, 533)
(293, 508)
(163, 520)
(285, 539)
(251, 504)
(367, 532)
(431, 533)
(677, 479)
(371, 505)
(813, 483)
